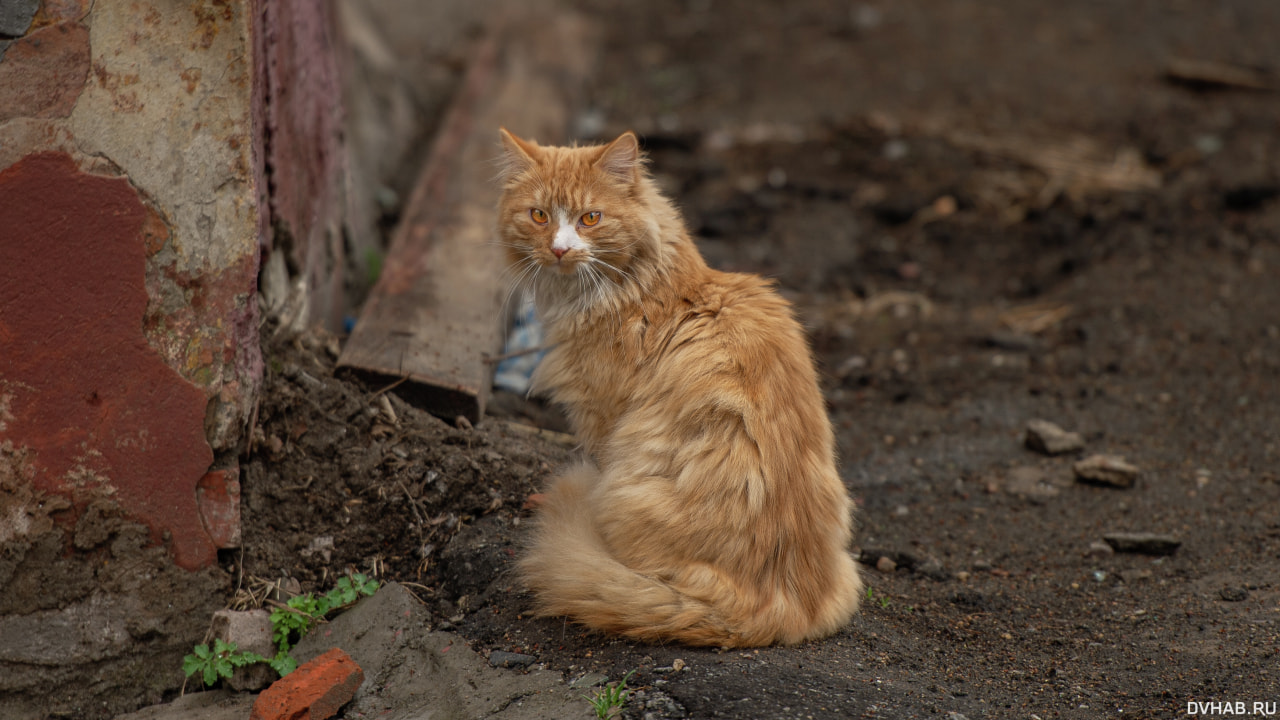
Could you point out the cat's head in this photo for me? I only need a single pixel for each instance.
(574, 215)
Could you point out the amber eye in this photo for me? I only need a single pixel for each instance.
(590, 218)
(538, 216)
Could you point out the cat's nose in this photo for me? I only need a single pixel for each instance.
(559, 252)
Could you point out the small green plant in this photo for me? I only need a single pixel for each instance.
(373, 261)
(609, 700)
(301, 613)
(883, 599)
(218, 662)
(289, 624)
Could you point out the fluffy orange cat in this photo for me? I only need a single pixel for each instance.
(708, 510)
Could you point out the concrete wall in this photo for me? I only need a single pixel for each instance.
(169, 169)
(130, 227)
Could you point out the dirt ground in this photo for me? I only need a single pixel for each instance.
(987, 213)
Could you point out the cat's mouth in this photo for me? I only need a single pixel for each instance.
(566, 264)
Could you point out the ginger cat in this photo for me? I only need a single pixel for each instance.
(709, 510)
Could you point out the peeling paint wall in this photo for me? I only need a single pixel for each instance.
(131, 223)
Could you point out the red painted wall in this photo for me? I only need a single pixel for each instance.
(99, 412)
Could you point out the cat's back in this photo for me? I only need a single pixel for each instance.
(743, 318)
(737, 345)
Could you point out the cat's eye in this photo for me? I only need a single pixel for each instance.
(590, 218)
(539, 216)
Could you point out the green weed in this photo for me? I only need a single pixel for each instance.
(609, 700)
(289, 624)
(219, 662)
(883, 600)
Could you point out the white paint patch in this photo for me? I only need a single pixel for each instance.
(566, 235)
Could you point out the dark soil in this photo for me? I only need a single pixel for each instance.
(899, 169)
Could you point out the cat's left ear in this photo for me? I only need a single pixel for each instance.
(517, 154)
(621, 158)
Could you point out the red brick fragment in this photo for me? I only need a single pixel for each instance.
(315, 691)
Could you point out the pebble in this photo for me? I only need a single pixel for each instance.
(933, 569)
(1045, 437)
(1098, 548)
(504, 659)
(1233, 594)
(589, 680)
(886, 565)
(1030, 483)
(1012, 341)
(1142, 543)
(1110, 470)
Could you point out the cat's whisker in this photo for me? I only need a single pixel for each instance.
(602, 293)
(622, 272)
(597, 283)
(526, 266)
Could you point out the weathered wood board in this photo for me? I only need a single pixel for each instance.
(435, 313)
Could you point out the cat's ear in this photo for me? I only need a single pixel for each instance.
(621, 158)
(518, 155)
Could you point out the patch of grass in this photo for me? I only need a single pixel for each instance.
(609, 700)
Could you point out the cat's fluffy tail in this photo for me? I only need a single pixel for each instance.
(572, 573)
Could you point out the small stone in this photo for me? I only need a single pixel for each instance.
(1142, 543)
(1045, 437)
(933, 569)
(321, 545)
(886, 564)
(1233, 594)
(504, 659)
(589, 680)
(250, 630)
(677, 665)
(1030, 483)
(1098, 548)
(962, 576)
(1110, 470)
(1012, 341)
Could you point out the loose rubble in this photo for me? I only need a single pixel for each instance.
(1046, 437)
(1031, 483)
(1142, 543)
(504, 659)
(1109, 470)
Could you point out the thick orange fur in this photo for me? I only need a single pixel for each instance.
(709, 510)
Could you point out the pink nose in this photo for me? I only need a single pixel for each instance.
(559, 252)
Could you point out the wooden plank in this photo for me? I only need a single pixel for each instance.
(435, 312)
